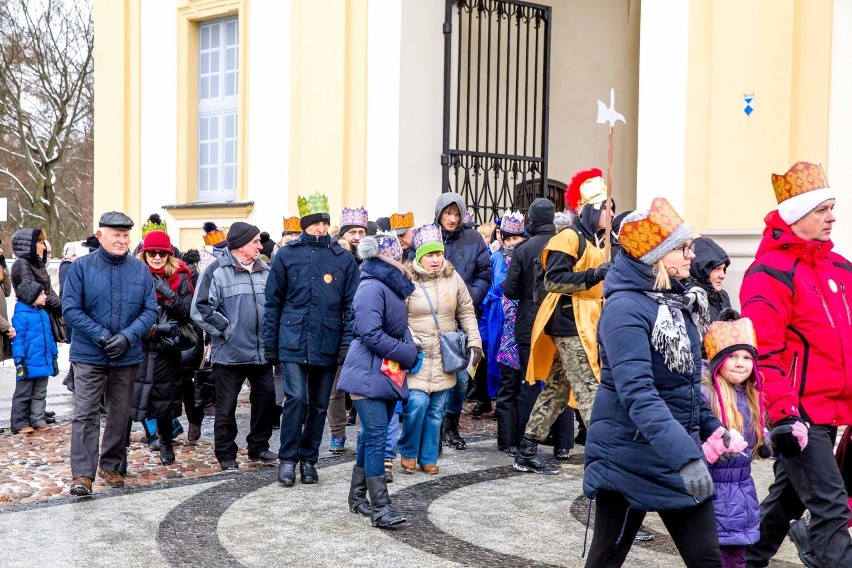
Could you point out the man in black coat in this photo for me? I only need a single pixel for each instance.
(525, 283)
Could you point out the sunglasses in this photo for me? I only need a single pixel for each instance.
(686, 248)
(157, 253)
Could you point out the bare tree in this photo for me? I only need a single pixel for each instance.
(46, 114)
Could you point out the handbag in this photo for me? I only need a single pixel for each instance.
(57, 326)
(453, 343)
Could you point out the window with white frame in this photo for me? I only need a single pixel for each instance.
(218, 71)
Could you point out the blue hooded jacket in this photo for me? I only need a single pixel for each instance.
(381, 330)
(647, 420)
(33, 344)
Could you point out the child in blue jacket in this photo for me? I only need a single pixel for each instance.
(35, 354)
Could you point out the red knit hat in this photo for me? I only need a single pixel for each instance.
(157, 240)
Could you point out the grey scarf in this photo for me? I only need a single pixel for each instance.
(669, 336)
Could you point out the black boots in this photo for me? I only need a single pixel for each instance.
(383, 516)
(451, 431)
(528, 460)
(167, 452)
(482, 407)
(287, 474)
(358, 502)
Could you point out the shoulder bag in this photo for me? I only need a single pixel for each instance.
(453, 343)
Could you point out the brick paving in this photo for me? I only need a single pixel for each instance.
(36, 467)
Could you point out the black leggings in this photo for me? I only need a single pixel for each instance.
(693, 531)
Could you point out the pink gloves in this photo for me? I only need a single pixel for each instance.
(722, 444)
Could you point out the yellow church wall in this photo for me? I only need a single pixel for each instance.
(781, 52)
(328, 102)
(117, 116)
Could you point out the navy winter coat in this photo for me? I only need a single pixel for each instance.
(309, 293)
(33, 344)
(647, 421)
(106, 294)
(736, 504)
(381, 330)
(465, 249)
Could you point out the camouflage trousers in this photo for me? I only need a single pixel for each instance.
(570, 371)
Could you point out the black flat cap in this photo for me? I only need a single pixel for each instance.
(116, 220)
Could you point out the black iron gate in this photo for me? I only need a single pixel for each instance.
(496, 99)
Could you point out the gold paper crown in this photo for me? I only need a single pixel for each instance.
(291, 225)
(801, 178)
(722, 335)
(316, 203)
(641, 236)
(400, 221)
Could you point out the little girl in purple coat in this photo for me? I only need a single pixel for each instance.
(732, 391)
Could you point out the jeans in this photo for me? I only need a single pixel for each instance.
(375, 415)
(811, 480)
(304, 386)
(455, 398)
(115, 386)
(421, 426)
(229, 381)
(393, 433)
(693, 531)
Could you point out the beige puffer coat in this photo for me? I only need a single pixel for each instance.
(452, 302)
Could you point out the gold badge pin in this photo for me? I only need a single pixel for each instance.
(328, 278)
(447, 298)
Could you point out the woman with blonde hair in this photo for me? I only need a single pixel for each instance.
(643, 449)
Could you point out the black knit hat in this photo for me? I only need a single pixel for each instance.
(241, 234)
(28, 291)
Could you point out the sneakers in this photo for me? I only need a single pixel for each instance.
(43, 427)
(81, 486)
(800, 536)
(430, 469)
(111, 478)
(388, 470)
(26, 430)
(561, 453)
(337, 444)
(265, 457)
(229, 466)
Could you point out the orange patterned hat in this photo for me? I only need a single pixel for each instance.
(648, 235)
(724, 337)
(291, 225)
(401, 222)
(800, 190)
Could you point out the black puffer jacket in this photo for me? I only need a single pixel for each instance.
(709, 255)
(157, 391)
(30, 266)
(520, 280)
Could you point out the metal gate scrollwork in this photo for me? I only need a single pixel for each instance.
(496, 102)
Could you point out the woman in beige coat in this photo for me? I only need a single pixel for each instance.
(434, 276)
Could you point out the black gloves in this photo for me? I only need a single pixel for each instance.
(115, 345)
(163, 289)
(160, 330)
(341, 357)
(696, 478)
(600, 271)
(271, 356)
(476, 352)
(55, 366)
(789, 437)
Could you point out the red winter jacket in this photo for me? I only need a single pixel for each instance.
(799, 295)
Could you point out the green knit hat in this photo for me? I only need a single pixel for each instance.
(426, 239)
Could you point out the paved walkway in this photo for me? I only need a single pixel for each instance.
(477, 512)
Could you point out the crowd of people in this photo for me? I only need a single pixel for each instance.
(614, 320)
